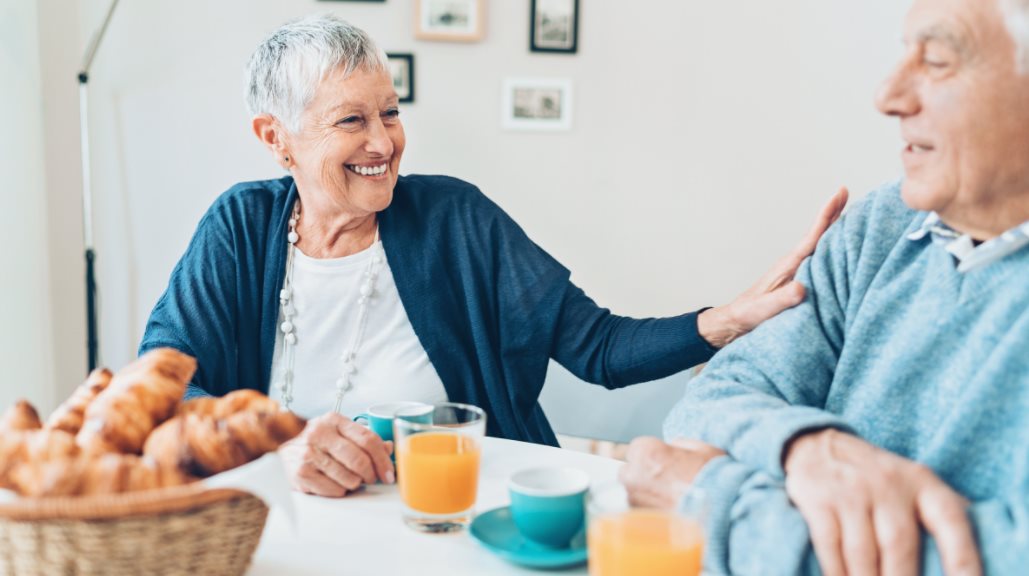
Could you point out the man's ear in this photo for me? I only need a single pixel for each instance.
(272, 134)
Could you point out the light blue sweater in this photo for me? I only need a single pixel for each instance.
(891, 344)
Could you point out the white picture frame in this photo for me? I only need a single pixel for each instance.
(537, 104)
(450, 20)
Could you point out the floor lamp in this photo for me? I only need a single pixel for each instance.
(92, 340)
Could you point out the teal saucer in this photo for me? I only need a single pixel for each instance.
(496, 531)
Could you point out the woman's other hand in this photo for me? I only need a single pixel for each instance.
(656, 474)
(334, 456)
(774, 292)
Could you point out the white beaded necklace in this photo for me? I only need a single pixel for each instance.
(289, 341)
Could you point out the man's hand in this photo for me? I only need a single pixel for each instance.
(864, 507)
(656, 475)
(774, 292)
(334, 456)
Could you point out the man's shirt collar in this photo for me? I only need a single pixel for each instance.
(964, 249)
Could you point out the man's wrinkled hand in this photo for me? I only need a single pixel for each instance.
(865, 507)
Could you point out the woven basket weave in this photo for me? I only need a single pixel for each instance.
(185, 530)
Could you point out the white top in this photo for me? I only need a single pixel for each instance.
(363, 533)
(391, 363)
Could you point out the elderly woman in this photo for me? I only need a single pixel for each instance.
(345, 284)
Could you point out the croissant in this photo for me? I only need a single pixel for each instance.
(231, 403)
(85, 476)
(33, 446)
(140, 397)
(69, 415)
(203, 446)
(20, 416)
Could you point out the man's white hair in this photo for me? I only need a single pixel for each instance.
(288, 66)
(1016, 15)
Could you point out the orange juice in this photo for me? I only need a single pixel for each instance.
(438, 472)
(647, 542)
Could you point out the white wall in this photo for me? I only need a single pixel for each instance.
(706, 135)
(60, 50)
(25, 351)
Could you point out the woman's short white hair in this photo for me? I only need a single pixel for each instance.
(288, 66)
(1016, 14)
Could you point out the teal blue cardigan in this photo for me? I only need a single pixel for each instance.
(489, 306)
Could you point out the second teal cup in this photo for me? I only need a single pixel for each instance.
(549, 504)
(380, 416)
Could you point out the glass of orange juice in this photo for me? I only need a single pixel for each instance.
(624, 540)
(438, 466)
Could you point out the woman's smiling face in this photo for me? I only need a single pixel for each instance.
(350, 142)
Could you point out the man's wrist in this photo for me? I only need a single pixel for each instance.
(804, 444)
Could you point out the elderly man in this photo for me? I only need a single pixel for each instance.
(882, 427)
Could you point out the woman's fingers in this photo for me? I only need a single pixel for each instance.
(828, 215)
(754, 311)
(344, 460)
(309, 479)
(375, 463)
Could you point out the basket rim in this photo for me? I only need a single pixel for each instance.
(116, 506)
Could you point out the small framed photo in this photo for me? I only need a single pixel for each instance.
(401, 68)
(450, 20)
(543, 104)
(554, 26)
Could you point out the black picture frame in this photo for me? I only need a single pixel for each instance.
(538, 30)
(405, 86)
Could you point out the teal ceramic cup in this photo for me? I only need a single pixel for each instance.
(549, 504)
(380, 416)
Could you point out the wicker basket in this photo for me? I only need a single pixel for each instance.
(185, 530)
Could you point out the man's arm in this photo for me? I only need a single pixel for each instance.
(754, 529)
(770, 389)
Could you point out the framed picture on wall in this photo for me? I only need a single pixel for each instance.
(554, 26)
(401, 67)
(540, 104)
(450, 20)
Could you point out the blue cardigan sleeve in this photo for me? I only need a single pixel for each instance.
(196, 313)
(615, 351)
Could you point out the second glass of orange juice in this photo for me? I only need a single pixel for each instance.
(624, 541)
(438, 466)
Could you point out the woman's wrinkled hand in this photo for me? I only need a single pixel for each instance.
(866, 508)
(334, 456)
(774, 292)
(657, 475)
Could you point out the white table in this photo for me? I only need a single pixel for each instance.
(363, 533)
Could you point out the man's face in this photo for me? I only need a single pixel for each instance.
(964, 113)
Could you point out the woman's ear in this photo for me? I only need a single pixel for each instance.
(272, 134)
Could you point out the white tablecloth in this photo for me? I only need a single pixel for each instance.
(363, 533)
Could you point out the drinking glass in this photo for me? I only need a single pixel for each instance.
(625, 540)
(438, 466)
